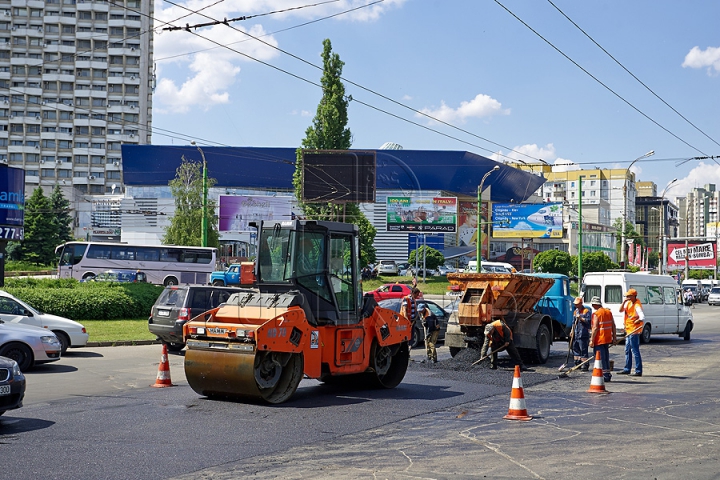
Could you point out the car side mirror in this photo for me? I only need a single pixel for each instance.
(28, 313)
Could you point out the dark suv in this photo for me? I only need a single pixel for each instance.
(178, 304)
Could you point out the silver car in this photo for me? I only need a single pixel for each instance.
(28, 345)
(714, 296)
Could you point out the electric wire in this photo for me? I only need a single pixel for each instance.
(627, 102)
(632, 74)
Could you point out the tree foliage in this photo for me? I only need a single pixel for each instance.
(594, 262)
(433, 258)
(186, 225)
(630, 234)
(41, 238)
(62, 216)
(552, 261)
(329, 132)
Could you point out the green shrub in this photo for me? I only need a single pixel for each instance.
(86, 301)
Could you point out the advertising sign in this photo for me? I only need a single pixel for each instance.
(468, 225)
(12, 203)
(700, 255)
(237, 211)
(421, 214)
(543, 220)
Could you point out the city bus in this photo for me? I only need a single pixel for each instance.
(164, 265)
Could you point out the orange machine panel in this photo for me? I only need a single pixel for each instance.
(349, 348)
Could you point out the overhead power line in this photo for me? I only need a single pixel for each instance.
(632, 74)
(627, 102)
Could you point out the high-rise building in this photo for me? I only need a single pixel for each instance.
(76, 81)
(698, 208)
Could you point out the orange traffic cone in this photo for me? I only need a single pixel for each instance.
(163, 375)
(517, 410)
(597, 384)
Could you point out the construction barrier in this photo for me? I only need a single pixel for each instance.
(517, 410)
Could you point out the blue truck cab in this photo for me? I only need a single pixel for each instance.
(557, 304)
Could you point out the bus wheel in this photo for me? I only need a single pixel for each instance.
(88, 276)
(170, 281)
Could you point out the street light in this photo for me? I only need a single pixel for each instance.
(624, 215)
(580, 230)
(663, 245)
(204, 221)
(478, 241)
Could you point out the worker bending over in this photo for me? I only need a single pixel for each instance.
(498, 337)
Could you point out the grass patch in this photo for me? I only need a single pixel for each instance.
(20, 266)
(432, 285)
(118, 330)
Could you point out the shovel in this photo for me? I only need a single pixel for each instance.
(570, 342)
(565, 374)
(488, 355)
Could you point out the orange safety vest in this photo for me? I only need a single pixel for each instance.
(633, 324)
(603, 324)
(498, 326)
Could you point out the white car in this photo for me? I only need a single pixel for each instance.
(28, 345)
(69, 332)
(714, 296)
(387, 267)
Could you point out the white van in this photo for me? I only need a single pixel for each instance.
(491, 267)
(658, 294)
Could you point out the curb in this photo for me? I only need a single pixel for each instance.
(129, 343)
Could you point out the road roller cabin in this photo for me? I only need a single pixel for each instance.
(306, 316)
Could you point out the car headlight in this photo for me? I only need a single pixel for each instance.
(52, 340)
(16, 369)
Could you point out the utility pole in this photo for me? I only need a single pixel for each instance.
(478, 241)
(625, 202)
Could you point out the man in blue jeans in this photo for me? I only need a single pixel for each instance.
(634, 321)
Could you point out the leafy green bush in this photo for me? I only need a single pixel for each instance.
(86, 301)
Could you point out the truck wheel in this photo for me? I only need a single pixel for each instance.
(541, 352)
(218, 283)
(454, 351)
(645, 336)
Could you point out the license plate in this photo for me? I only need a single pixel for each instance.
(4, 389)
(163, 313)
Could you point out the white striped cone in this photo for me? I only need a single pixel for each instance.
(163, 375)
(517, 410)
(597, 384)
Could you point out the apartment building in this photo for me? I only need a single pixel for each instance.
(76, 80)
(698, 209)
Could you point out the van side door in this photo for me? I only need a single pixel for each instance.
(673, 308)
(657, 312)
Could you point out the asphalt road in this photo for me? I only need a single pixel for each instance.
(93, 415)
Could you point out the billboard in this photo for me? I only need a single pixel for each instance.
(421, 214)
(700, 255)
(237, 211)
(338, 176)
(543, 220)
(12, 203)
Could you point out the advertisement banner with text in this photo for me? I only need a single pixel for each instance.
(421, 214)
(700, 255)
(237, 211)
(541, 220)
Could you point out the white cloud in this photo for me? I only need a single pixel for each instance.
(480, 106)
(214, 68)
(702, 174)
(526, 153)
(710, 58)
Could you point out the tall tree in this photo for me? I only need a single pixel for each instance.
(61, 216)
(40, 233)
(329, 132)
(186, 225)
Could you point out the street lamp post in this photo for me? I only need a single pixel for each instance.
(204, 221)
(580, 230)
(663, 245)
(624, 215)
(478, 241)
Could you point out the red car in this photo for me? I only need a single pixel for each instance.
(391, 290)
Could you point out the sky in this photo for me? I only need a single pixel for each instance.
(595, 83)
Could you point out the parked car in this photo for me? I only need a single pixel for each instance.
(423, 272)
(12, 385)
(28, 345)
(418, 334)
(714, 296)
(445, 269)
(123, 276)
(179, 303)
(69, 332)
(387, 267)
(390, 290)
(403, 268)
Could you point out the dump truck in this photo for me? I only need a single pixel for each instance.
(514, 298)
(240, 274)
(306, 316)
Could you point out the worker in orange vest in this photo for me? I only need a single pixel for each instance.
(602, 335)
(634, 321)
(499, 337)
